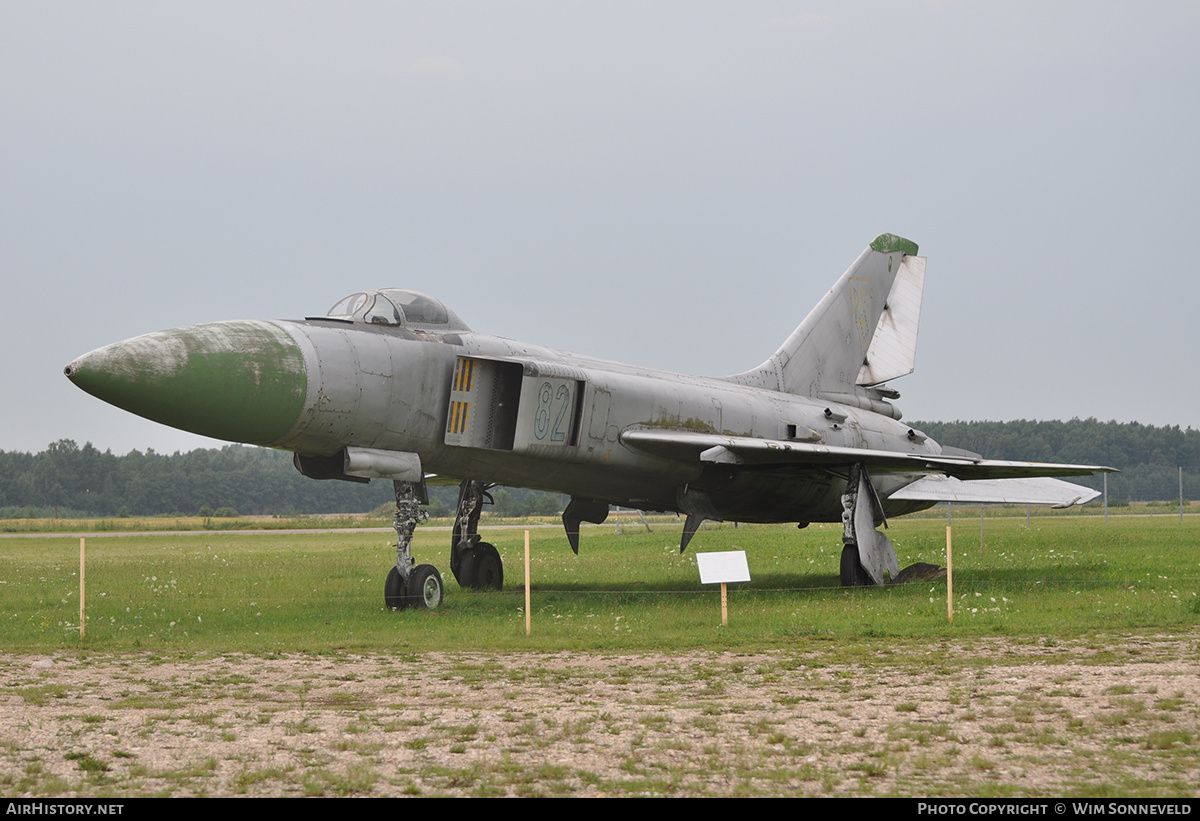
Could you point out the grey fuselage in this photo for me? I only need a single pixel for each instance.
(482, 407)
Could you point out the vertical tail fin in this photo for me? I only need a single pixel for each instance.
(862, 333)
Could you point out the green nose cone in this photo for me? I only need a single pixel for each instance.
(238, 381)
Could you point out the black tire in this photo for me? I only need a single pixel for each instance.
(481, 568)
(424, 588)
(394, 594)
(456, 562)
(468, 560)
(853, 573)
(487, 569)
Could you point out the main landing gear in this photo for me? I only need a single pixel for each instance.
(475, 564)
(418, 587)
(866, 553)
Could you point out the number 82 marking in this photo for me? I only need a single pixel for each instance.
(547, 399)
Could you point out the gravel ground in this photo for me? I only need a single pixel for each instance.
(1117, 716)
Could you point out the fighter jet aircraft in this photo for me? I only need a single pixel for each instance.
(391, 384)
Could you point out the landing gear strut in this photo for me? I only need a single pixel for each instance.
(474, 563)
(419, 587)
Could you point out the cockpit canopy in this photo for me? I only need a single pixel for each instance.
(393, 306)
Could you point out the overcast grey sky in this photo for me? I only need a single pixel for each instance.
(669, 183)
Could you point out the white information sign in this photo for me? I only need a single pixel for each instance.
(727, 566)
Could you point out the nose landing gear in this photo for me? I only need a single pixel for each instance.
(419, 587)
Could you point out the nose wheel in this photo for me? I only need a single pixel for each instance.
(394, 595)
(425, 588)
(419, 586)
(421, 591)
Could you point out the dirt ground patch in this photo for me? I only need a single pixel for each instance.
(1112, 717)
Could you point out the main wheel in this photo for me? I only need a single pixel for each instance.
(853, 573)
(481, 568)
(489, 569)
(425, 587)
(456, 562)
(467, 561)
(394, 596)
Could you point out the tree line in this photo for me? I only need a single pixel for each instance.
(66, 480)
(1148, 457)
(69, 480)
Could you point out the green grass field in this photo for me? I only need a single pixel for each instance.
(323, 592)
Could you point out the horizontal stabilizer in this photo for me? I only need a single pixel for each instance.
(1028, 491)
